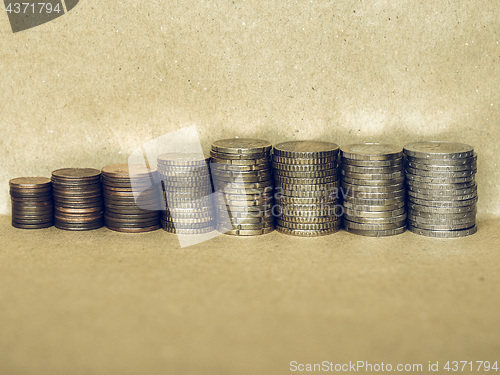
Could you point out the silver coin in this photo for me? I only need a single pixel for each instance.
(301, 200)
(417, 220)
(436, 180)
(233, 203)
(303, 168)
(182, 221)
(372, 170)
(328, 207)
(443, 162)
(442, 168)
(241, 146)
(442, 192)
(438, 186)
(371, 151)
(438, 150)
(183, 159)
(228, 174)
(303, 226)
(304, 181)
(248, 192)
(442, 204)
(333, 194)
(439, 209)
(312, 187)
(310, 214)
(443, 233)
(352, 181)
(364, 207)
(376, 233)
(249, 220)
(309, 219)
(221, 207)
(441, 216)
(372, 163)
(374, 214)
(306, 149)
(434, 226)
(244, 197)
(239, 162)
(223, 168)
(228, 179)
(439, 174)
(308, 174)
(304, 161)
(373, 176)
(221, 185)
(226, 156)
(364, 195)
(438, 197)
(306, 233)
(372, 189)
(375, 202)
(374, 227)
(189, 231)
(376, 220)
(249, 232)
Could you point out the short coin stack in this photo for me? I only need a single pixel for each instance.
(442, 191)
(32, 205)
(373, 189)
(307, 188)
(187, 190)
(78, 202)
(242, 177)
(132, 197)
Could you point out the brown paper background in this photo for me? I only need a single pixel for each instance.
(89, 87)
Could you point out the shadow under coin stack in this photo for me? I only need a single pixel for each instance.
(32, 205)
(187, 189)
(373, 189)
(242, 177)
(442, 191)
(307, 188)
(132, 196)
(78, 203)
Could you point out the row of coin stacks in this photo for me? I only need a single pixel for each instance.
(442, 191)
(307, 188)
(295, 188)
(242, 177)
(373, 186)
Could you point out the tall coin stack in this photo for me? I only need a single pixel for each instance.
(132, 198)
(32, 205)
(442, 191)
(307, 188)
(78, 202)
(373, 189)
(242, 177)
(187, 190)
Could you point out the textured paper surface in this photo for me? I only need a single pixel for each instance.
(86, 89)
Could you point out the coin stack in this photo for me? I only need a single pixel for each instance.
(187, 189)
(307, 188)
(373, 189)
(78, 202)
(242, 177)
(132, 197)
(442, 191)
(32, 205)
